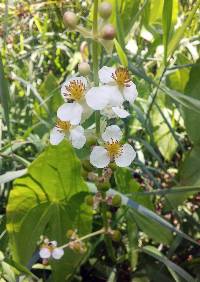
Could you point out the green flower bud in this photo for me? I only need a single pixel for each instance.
(108, 32)
(70, 19)
(89, 200)
(86, 165)
(109, 215)
(84, 68)
(116, 235)
(116, 200)
(105, 10)
(105, 186)
(91, 140)
(69, 233)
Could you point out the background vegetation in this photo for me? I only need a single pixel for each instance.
(160, 40)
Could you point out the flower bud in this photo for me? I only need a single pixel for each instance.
(116, 235)
(84, 68)
(91, 140)
(105, 186)
(89, 200)
(109, 215)
(69, 233)
(70, 19)
(108, 32)
(105, 10)
(116, 200)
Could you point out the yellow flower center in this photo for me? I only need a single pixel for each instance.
(122, 77)
(63, 125)
(114, 148)
(75, 90)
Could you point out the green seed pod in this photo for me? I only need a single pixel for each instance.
(70, 19)
(84, 68)
(105, 186)
(116, 200)
(89, 200)
(105, 10)
(113, 166)
(108, 32)
(91, 140)
(116, 235)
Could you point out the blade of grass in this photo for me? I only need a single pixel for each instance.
(166, 22)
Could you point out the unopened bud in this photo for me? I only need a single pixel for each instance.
(69, 233)
(89, 200)
(116, 200)
(108, 215)
(108, 32)
(84, 68)
(105, 10)
(70, 19)
(105, 186)
(116, 235)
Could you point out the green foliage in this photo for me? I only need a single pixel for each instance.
(48, 201)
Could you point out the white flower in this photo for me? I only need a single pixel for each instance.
(73, 91)
(49, 249)
(123, 155)
(65, 128)
(117, 88)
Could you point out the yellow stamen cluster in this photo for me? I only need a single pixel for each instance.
(114, 149)
(63, 125)
(122, 77)
(75, 90)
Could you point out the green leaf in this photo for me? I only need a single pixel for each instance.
(191, 118)
(4, 94)
(48, 201)
(189, 171)
(152, 251)
(178, 35)
(132, 232)
(122, 56)
(166, 21)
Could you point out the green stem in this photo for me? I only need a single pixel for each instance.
(95, 60)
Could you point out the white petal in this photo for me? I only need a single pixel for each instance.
(130, 93)
(53, 243)
(56, 136)
(99, 157)
(114, 94)
(67, 82)
(127, 156)
(77, 137)
(45, 253)
(105, 74)
(57, 253)
(97, 98)
(120, 112)
(112, 132)
(70, 112)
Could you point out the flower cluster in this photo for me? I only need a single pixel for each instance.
(49, 250)
(81, 100)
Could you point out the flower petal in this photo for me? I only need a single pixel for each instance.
(120, 112)
(99, 157)
(105, 74)
(77, 137)
(45, 253)
(127, 156)
(56, 136)
(112, 132)
(114, 94)
(70, 112)
(57, 253)
(97, 98)
(64, 91)
(130, 93)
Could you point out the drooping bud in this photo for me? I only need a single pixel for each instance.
(116, 235)
(70, 19)
(116, 200)
(84, 68)
(89, 200)
(108, 32)
(105, 10)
